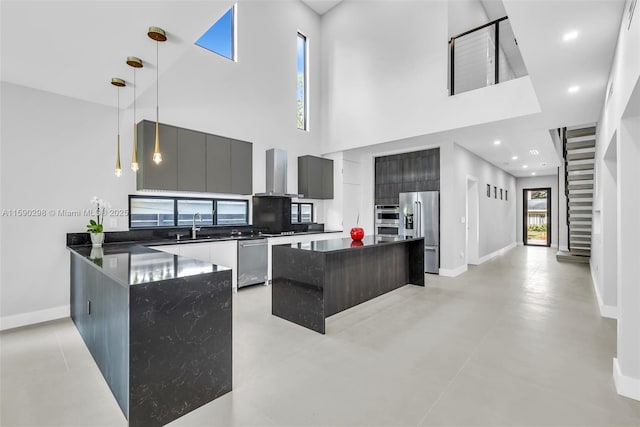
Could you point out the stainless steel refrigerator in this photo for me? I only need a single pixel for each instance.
(420, 217)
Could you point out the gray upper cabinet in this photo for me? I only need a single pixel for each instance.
(192, 160)
(315, 177)
(241, 167)
(219, 164)
(162, 176)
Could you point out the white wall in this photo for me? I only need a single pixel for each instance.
(253, 99)
(378, 89)
(464, 15)
(496, 217)
(58, 152)
(549, 181)
(624, 78)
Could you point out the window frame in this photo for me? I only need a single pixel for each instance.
(299, 209)
(305, 81)
(175, 200)
(234, 34)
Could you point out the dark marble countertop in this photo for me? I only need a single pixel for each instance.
(132, 263)
(334, 245)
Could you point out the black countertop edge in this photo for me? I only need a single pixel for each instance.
(179, 267)
(347, 244)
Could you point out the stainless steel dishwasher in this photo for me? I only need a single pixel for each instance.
(252, 262)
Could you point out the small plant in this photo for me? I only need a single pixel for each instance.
(95, 226)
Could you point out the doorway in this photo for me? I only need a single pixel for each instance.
(472, 219)
(537, 216)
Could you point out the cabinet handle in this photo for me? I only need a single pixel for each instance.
(89, 307)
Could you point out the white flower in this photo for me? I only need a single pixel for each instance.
(94, 200)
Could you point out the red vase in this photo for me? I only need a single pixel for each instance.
(357, 233)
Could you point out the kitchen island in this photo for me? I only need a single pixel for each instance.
(158, 326)
(314, 280)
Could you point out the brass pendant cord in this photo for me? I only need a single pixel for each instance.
(134, 159)
(118, 167)
(157, 155)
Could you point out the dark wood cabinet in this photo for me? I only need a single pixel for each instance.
(315, 177)
(193, 161)
(406, 172)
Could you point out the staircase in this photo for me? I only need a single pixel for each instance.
(579, 157)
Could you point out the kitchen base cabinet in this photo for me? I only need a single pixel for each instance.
(219, 253)
(157, 325)
(318, 279)
(286, 240)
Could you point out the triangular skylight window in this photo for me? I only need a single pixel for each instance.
(220, 38)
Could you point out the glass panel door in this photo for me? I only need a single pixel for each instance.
(537, 217)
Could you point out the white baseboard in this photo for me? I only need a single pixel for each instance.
(446, 272)
(625, 386)
(496, 253)
(33, 317)
(520, 244)
(608, 311)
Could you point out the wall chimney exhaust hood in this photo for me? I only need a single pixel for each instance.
(276, 179)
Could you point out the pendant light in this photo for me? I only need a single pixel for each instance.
(117, 82)
(158, 35)
(134, 62)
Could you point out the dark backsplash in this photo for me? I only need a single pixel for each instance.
(142, 235)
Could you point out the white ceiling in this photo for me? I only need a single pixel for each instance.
(74, 49)
(555, 65)
(321, 6)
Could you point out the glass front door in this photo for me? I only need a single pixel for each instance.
(537, 216)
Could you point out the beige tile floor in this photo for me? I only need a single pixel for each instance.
(515, 341)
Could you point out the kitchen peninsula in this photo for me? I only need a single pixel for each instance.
(158, 326)
(314, 280)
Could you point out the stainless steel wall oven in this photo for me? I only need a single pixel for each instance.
(387, 220)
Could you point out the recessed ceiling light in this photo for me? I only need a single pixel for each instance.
(573, 89)
(524, 166)
(534, 152)
(514, 158)
(571, 35)
(533, 173)
(497, 142)
(543, 164)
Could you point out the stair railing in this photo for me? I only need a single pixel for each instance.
(486, 57)
(563, 133)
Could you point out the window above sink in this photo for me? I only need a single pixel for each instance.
(161, 211)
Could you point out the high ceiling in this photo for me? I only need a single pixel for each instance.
(74, 49)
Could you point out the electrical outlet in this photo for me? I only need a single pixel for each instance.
(113, 222)
(113, 263)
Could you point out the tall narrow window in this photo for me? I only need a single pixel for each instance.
(220, 38)
(302, 82)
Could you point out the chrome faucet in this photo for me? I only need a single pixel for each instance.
(194, 229)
